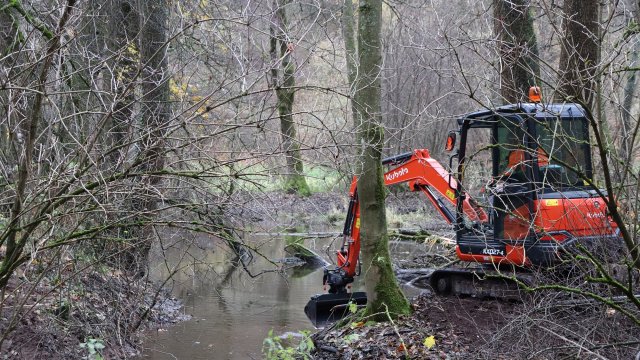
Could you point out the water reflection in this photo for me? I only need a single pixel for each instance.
(232, 312)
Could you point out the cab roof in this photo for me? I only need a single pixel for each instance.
(486, 117)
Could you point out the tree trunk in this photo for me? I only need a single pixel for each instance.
(351, 53)
(519, 67)
(629, 93)
(124, 28)
(281, 50)
(156, 115)
(384, 296)
(123, 51)
(138, 40)
(628, 96)
(580, 53)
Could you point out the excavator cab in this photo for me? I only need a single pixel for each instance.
(537, 195)
(529, 168)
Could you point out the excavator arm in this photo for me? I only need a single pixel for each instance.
(422, 173)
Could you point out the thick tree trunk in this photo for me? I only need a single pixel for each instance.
(281, 50)
(384, 295)
(124, 28)
(629, 93)
(124, 20)
(580, 52)
(519, 67)
(156, 115)
(351, 53)
(628, 96)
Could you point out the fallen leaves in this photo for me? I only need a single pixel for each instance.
(429, 342)
(412, 337)
(357, 324)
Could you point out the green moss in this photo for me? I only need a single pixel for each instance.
(29, 17)
(389, 296)
(295, 245)
(300, 251)
(296, 184)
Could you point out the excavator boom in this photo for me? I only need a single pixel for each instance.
(426, 174)
(422, 173)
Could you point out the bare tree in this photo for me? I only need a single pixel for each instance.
(632, 18)
(156, 120)
(351, 53)
(384, 295)
(282, 47)
(13, 237)
(580, 52)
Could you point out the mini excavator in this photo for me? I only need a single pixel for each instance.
(536, 205)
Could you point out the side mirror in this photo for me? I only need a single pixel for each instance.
(451, 141)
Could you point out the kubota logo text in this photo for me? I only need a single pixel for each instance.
(595, 215)
(397, 173)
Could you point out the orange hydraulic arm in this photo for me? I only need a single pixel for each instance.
(422, 173)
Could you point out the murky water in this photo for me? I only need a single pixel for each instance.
(233, 312)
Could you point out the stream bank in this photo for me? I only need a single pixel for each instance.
(233, 310)
(95, 312)
(470, 328)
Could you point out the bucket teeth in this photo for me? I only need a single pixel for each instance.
(327, 308)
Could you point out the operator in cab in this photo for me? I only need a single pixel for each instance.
(516, 162)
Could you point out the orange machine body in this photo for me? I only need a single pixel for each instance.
(539, 204)
(555, 221)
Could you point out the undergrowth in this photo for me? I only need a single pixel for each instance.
(275, 348)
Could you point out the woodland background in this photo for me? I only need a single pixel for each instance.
(120, 119)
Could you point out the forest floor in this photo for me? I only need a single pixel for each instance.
(470, 328)
(86, 315)
(439, 328)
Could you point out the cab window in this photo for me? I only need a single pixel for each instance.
(566, 141)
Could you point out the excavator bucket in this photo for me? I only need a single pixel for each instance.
(327, 308)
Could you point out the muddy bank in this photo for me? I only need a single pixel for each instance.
(471, 328)
(439, 328)
(94, 313)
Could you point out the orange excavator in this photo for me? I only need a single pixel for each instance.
(535, 205)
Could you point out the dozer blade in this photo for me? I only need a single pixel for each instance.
(327, 308)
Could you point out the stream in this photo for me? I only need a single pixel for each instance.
(232, 312)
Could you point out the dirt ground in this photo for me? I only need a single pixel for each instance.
(53, 320)
(469, 328)
(458, 327)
